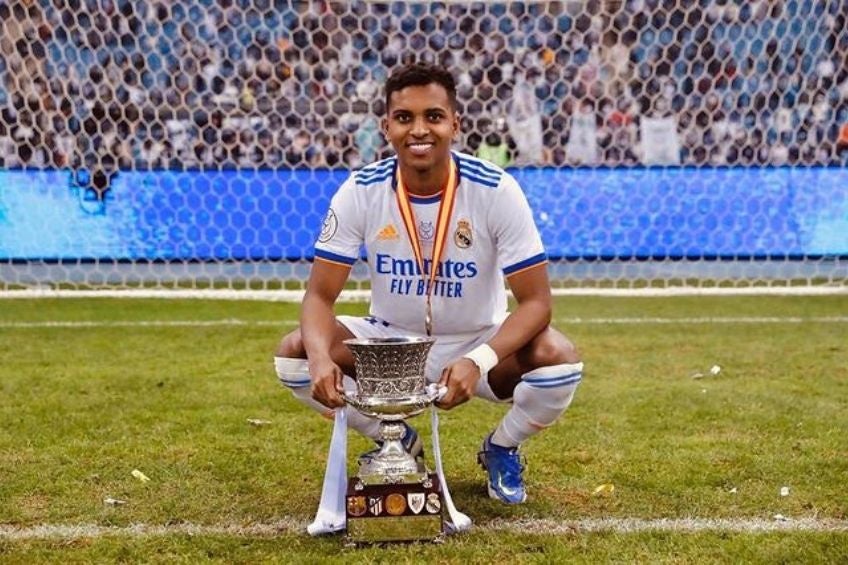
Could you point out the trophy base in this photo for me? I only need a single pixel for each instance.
(394, 512)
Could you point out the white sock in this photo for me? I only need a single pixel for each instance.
(538, 400)
(294, 374)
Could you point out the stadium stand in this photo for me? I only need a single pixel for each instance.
(270, 84)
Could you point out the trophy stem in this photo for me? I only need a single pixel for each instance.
(393, 463)
(393, 455)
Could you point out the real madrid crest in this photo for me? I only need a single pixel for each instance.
(462, 235)
(434, 503)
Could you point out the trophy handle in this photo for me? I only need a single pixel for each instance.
(353, 400)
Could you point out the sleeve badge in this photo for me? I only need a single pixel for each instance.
(328, 226)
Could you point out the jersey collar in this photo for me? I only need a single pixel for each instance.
(432, 199)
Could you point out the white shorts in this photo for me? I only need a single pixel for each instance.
(444, 351)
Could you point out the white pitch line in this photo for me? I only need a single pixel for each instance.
(710, 320)
(685, 525)
(145, 323)
(530, 526)
(362, 295)
(279, 323)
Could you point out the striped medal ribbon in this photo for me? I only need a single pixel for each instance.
(442, 222)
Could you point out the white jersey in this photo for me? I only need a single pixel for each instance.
(491, 235)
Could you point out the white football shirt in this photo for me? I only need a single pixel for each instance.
(491, 235)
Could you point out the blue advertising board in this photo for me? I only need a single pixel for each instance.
(638, 213)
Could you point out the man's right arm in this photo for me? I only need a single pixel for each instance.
(318, 328)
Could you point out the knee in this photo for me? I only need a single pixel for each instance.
(291, 346)
(554, 349)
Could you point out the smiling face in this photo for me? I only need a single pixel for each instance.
(421, 123)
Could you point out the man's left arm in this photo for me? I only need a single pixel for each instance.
(532, 291)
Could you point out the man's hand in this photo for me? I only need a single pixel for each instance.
(460, 378)
(327, 385)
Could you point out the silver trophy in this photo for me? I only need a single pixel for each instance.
(393, 497)
(391, 386)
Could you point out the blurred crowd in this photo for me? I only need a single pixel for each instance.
(104, 85)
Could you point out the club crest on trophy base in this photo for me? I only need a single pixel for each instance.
(393, 496)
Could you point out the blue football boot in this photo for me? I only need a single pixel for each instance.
(504, 467)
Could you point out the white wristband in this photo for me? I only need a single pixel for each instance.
(484, 357)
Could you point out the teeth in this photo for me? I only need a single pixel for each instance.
(420, 148)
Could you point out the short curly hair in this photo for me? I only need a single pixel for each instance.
(420, 74)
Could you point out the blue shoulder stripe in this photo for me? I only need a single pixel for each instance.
(479, 162)
(468, 171)
(378, 166)
(480, 168)
(521, 265)
(373, 180)
(370, 173)
(484, 181)
(334, 257)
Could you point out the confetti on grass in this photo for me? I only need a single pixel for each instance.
(257, 422)
(140, 476)
(604, 489)
(714, 370)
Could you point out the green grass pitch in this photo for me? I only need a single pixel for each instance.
(92, 389)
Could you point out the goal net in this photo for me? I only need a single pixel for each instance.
(153, 144)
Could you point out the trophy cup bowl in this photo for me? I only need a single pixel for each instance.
(391, 387)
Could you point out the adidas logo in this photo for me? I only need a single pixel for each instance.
(388, 232)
